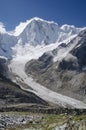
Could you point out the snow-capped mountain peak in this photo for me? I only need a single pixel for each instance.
(37, 31)
(70, 29)
(34, 32)
(20, 28)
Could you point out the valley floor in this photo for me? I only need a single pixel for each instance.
(37, 121)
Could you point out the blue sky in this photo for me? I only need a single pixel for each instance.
(12, 12)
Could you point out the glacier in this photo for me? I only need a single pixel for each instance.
(29, 40)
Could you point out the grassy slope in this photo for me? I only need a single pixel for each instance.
(50, 121)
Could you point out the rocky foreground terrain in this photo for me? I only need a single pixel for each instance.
(30, 121)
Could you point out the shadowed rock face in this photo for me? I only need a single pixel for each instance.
(80, 50)
(10, 93)
(75, 60)
(80, 53)
(68, 65)
(40, 65)
(3, 67)
(68, 76)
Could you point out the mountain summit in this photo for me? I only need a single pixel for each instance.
(38, 31)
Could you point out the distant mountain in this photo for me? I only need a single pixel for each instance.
(47, 60)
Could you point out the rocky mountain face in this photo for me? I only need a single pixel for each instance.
(47, 62)
(66, 76)
(7, 41)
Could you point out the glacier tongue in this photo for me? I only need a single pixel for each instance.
(17, 68)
